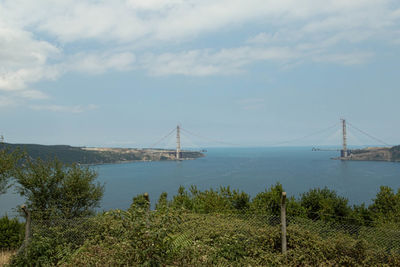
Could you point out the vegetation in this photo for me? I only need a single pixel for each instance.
(11, 233)
(8, 162)
(376, 154)
(55, 190)
(70, 154)
(225, 227)
(395, 153)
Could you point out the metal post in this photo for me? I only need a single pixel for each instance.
(178, 143)
(27, 239)
(283, 222)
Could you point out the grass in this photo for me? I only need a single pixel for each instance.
(5, 256)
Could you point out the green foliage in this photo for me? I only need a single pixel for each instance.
(139, 237)
(224, 228)
(395, 150)
(11, 233)
(182, 199)
(70, 154)
(8, 162)
(128, 238)
(362, 215)
(141, 202)
(325, 204)
(162, 202)
(269, 202)
(54, 241)
(386, 205)
(52, 189)
(222, 200)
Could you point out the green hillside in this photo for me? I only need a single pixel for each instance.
(70, 154)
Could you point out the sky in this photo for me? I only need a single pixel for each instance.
(250, 73)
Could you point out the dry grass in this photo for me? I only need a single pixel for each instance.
(5, 256)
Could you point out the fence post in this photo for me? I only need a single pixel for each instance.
(27, 238)
(283, 222)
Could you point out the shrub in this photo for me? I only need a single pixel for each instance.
(54, 190)
(11, 233)
(325, 204)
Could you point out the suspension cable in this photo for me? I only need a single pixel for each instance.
(367, 134)
(209, 139)
(163, 138)
(306, 136)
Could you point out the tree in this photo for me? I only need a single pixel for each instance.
(386, 205)
(53, 189)
(325, 204)
(8, 162)
(269, 201)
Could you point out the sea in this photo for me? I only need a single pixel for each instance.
(251, 170)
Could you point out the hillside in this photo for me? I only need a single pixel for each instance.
(375, 154)
(84, 155)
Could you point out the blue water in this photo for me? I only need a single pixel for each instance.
(249, 169)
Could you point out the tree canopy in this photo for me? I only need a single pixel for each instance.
(53, 189)
(8, 162)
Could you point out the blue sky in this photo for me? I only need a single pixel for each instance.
(254, 73)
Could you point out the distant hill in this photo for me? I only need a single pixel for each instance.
(83, 155)
(376, 154)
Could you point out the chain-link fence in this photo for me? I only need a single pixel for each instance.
(189, 227)
(184, 238)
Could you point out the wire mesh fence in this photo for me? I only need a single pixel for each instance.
(186, 228)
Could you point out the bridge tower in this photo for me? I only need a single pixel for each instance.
(344, 151)
(178, 142)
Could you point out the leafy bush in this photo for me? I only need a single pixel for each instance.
(54, 241)
(222, 200)
(53, 189)
(189, 239)
(128, 238)
(11, 233)
(269, 202)
(325, 204)
(224, 228)
(9, 159)
(386, 206)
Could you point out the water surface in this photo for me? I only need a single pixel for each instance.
(249, 169)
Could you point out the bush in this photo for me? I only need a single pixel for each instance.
(386, 206)
(325, 204)
(128, 238)
(53, 189)
(11, 233)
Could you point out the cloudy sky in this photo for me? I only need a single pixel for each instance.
(253, 72)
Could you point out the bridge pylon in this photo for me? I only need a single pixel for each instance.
(344, 152)
(178, 142)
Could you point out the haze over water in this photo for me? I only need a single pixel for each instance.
(248, 169)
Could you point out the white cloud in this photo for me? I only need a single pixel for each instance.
(207, 62)
(6, 101)
(32, 94)
(42, 39)
(23, 59)
(61, 108)
(345, 59)
(132, 20)
(95, 63)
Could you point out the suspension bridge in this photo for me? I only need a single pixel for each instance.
(343, 149)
